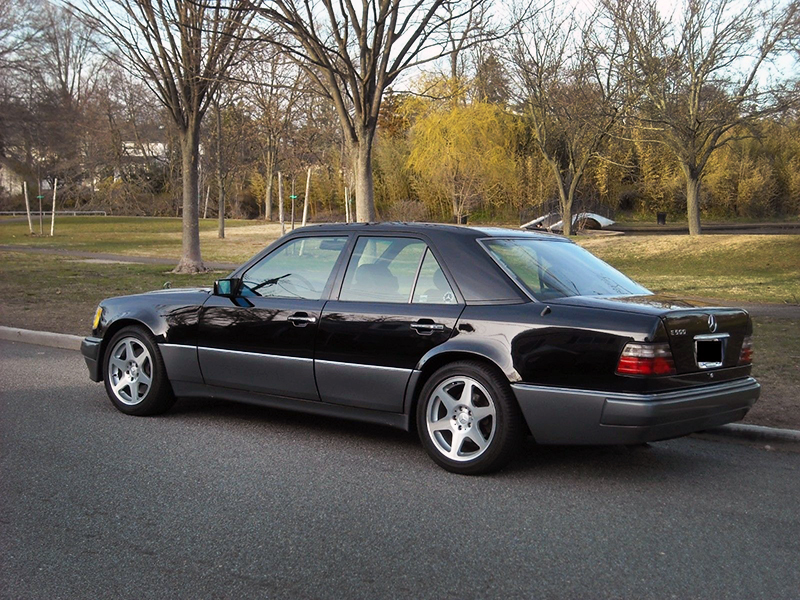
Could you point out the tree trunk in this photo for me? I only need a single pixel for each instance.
(693, 201)
(364, 184)
(220, 183)
(191, 260)
(566, 194)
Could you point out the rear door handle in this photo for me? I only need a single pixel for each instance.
(426, 328)
(301, 319)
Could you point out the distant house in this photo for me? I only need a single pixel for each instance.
(154, 150)
(11, 177)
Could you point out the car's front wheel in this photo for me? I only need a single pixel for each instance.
(468, 419)
(134, 374)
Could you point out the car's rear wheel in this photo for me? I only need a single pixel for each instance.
(468, 419)
(134, 374)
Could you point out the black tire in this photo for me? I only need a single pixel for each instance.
(134, 375)
(501, 429)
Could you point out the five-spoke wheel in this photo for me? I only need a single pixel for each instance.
(468, 419)
(134, 374)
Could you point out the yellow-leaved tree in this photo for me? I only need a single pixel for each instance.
(465, 154)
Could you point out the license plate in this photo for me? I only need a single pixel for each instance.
(709, 353)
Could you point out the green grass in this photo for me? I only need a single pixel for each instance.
(54, 293)
(775, 365)
(750, 268)
(731, 268)
(143, 236)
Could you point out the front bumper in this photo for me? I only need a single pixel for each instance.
(566, 416)
(90, 348)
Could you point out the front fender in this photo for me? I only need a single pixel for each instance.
(171, 317)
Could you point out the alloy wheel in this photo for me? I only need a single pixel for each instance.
(130, 370)
(461, 418)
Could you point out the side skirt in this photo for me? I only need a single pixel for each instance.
(198, 390)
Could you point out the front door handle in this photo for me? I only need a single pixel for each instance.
(301, 319)
(426, 328)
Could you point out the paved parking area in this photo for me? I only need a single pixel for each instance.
(218, 500)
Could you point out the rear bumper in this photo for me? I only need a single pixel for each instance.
(565, 416)
(90, 348)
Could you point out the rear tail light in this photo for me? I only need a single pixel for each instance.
(646, 359)
(746, 355)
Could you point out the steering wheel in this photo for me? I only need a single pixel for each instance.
(301, 279)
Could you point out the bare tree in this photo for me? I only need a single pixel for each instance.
(17, 30)
(275, 90)
(461, 35)
(566, 81)
(183, 49)
(63, 58)
(701, 74)
(355, 52)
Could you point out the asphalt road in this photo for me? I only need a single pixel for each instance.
(219, 500)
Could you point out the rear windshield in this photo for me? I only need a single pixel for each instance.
(553, 269)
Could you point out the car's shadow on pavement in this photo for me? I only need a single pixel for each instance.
(280, 418)
(606, 462)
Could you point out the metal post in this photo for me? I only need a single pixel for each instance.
(53, 215)
(280, 203)
(27, 205)
(292, 198)
(308, 194)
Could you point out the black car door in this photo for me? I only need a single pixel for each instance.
(263, 340)
(394, 305)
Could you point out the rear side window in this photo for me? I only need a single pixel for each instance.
(382, 269)
(432, 286)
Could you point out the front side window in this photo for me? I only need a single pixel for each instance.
(553, 269)
(382, 269)
(298, 269)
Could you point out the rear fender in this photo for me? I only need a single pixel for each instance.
(490, 350)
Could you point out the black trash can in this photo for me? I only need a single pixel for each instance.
(661, 218)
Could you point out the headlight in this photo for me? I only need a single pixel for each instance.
(97, 317)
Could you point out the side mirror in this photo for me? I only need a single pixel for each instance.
(227, 288)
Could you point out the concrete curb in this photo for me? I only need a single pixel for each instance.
(736, 430)
(41, 338)
(756, 433)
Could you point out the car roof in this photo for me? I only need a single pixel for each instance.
(483, 281)
(435, 230)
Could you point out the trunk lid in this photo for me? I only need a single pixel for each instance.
(706, 339)
(702, 337)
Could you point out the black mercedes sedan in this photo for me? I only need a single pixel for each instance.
(475, 337)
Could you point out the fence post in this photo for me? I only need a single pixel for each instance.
(27, 205)
(280, 203)
(53, 216)
(305, 200)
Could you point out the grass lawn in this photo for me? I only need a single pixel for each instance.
(750, 268)
(776, 365)
(730, 268)
(142, 236)
(54, 293)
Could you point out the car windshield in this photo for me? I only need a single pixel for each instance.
(554, 269)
